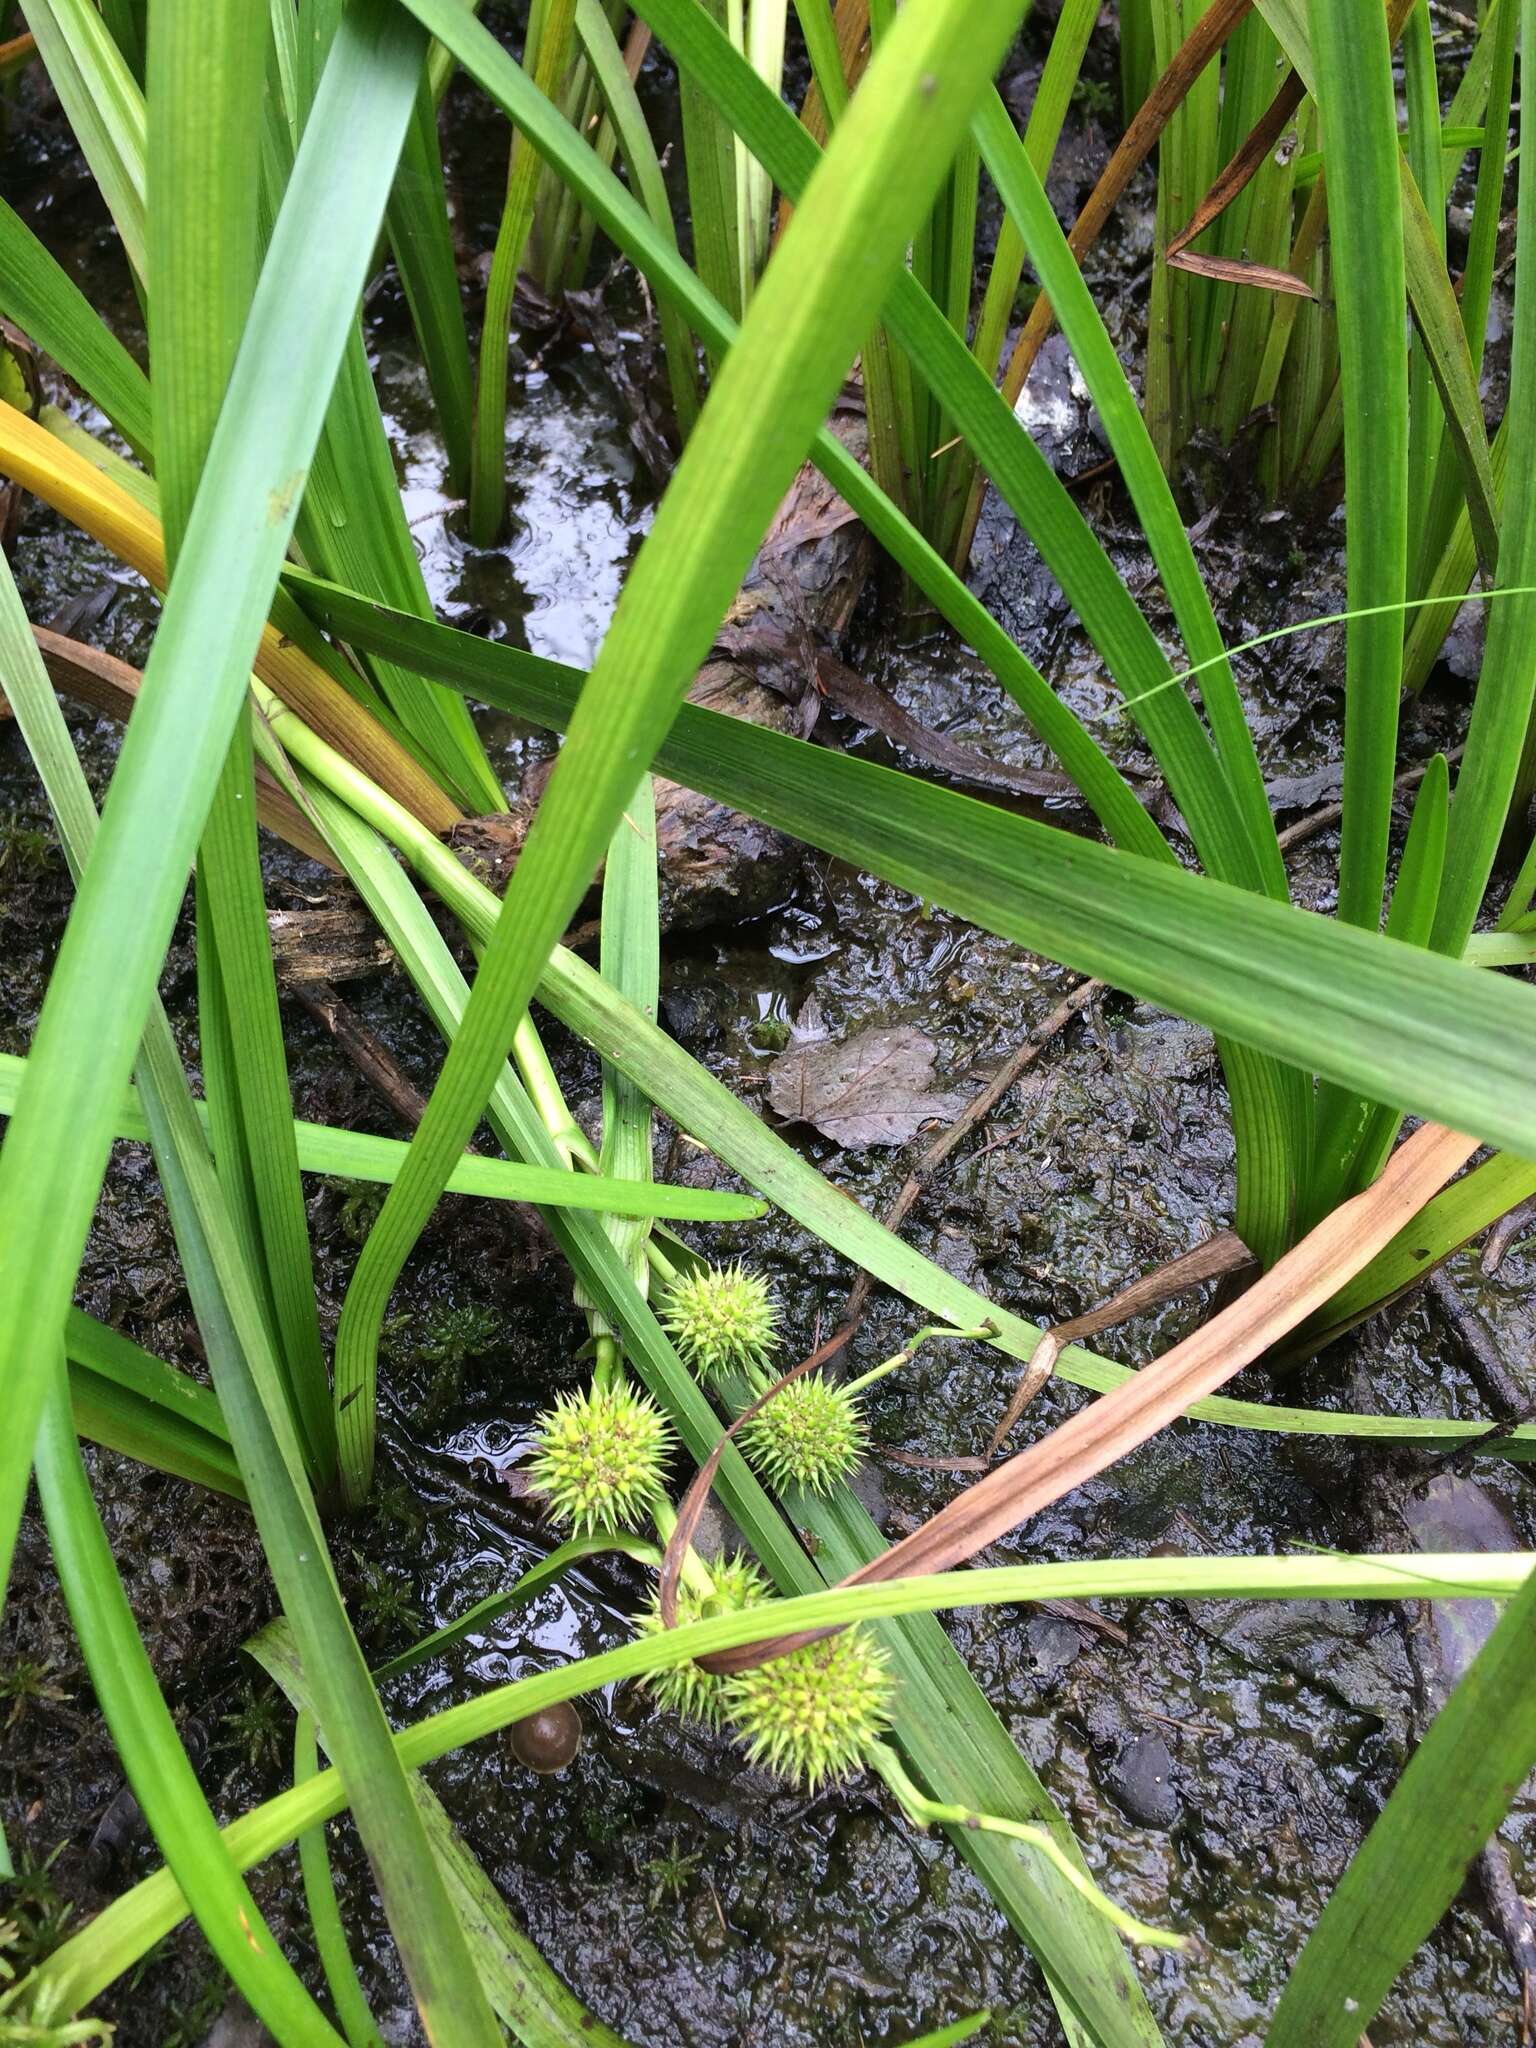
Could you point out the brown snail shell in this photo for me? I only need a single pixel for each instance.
(548, 1740)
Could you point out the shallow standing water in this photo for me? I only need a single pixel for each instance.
(1219, 1762)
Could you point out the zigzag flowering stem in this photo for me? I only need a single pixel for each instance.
(924, 1812)
(775, 1455)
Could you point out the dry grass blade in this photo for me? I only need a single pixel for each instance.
(1111, 1427)
(1244, 165)
(1230, 270)
(1156, 111)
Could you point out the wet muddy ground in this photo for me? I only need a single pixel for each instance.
(1219, 1762)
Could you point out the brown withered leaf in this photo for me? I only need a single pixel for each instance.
(875, 1088)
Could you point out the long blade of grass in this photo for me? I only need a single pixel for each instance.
(1365, 1009)
(816, 301)
(206, 66)
(1491, 774)
(1494, 58)
(1358, 108)
(527, 1994)
(1458, 1785)
(147, 1741)
(355, 1155)
(488, 486)
(645, 177)
(421, 236)
(1447, 393)
(83, 1966)
(347, 1996)
(108, 1414)
(110, 1355)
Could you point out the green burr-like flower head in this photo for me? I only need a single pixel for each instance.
(722, 1320)
(812, 1715)
(688, 1689)
(600, 1458)
(811, 1434)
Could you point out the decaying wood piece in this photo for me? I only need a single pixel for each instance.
(327, 943)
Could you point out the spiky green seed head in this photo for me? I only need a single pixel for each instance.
(600, 1458)
(812, 1715)
(811, 1434)
(722, 1320)
(688, 1689)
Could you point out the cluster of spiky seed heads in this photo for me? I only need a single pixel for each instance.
(688, 1689)
(813, 1714)
(601, 1458)
(722, 1320)
(811, 1434)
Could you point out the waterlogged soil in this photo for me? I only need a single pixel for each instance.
(1220, 1762)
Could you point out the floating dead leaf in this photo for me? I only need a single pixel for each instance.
(875, 1088)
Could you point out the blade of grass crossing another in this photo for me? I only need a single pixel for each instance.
(83, 1966)
(1358, 109)
(354, 1155)
(146, 1739)
(938, 1691)
(525, 1991)
(1494, 771)
(206, 68)
(1434, 1034)
(815, 303)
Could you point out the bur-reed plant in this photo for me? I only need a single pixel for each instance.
(265, 428)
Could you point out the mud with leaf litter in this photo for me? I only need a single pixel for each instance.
(1220, 1762)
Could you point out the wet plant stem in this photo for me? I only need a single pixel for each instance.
(924, 1812)
(909, 1351)
(279, 731)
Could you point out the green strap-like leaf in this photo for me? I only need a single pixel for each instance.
(814, 305)
(147, 1741)
(82, 1967)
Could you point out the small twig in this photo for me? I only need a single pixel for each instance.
(1506, 1233)
(1224, 1253)
(976, 1111)
(373, 1060)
